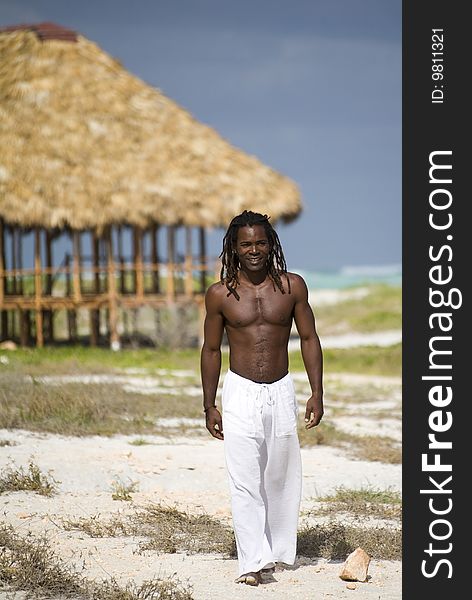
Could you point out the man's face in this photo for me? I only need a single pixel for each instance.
(252, 247)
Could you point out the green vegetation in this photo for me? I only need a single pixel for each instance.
(368, 360)
(79, 359)
(140, 442)
(15, 480)
(365, 502)
(30, 565)
(380, 309)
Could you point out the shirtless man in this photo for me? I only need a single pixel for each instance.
(255, 302)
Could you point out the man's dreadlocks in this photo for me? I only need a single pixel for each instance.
(276, 265)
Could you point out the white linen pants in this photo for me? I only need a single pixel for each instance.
(263, 459)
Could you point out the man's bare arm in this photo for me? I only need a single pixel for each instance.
(311, 351)
(211, 361)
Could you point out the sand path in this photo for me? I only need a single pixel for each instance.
(189, 472)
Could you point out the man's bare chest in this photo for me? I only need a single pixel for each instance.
(264, 307)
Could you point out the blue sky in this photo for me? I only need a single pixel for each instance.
(312, 88)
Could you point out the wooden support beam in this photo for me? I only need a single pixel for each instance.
(203, 259)
(48, 314)
(76, 266)
(95, 313)
(38, 291)
(24, 327)
(188, 263)
(170, 291)
(14, 265)
(121, 260)
(71, 315)
(155, 258)
(138, 262)
(112, 294)
(19, 259)
(3, 313)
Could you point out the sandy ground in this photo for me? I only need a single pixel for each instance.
(190, 472)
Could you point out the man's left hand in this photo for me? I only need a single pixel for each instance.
(314, 411)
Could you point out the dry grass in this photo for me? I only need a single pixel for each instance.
(30, 565)
(17, 479)
(122, 490)
(373, 448)
(4, 443)
(365, 502)
(376, 448)
(166, 529)
(170, 530)
(336, 540)
(86, 409)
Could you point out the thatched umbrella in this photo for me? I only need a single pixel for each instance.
(85, 144)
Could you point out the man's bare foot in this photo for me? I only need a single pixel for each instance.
(249, 579)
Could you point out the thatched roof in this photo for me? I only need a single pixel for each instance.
(83, 143)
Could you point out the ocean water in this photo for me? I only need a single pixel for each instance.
(352, 276)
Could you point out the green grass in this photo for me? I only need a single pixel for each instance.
(80, 359)
(368, 360)
(140, 442)
(380, 309)
(371, 360)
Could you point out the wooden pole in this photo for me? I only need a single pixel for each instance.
(48, 314)
(14, 264)
(76, 268)
(24, 327)
(38, 288)
(170, 263)
(138, 263)
(188, 263)
(121, 260)
(76, 280)
(23, 314)
(19, 259)
(95, 313)
(112, 295)
(71, 317)
(203, 259)
(155, 258)
(3, 313)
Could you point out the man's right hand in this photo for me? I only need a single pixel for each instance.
(214, 422)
